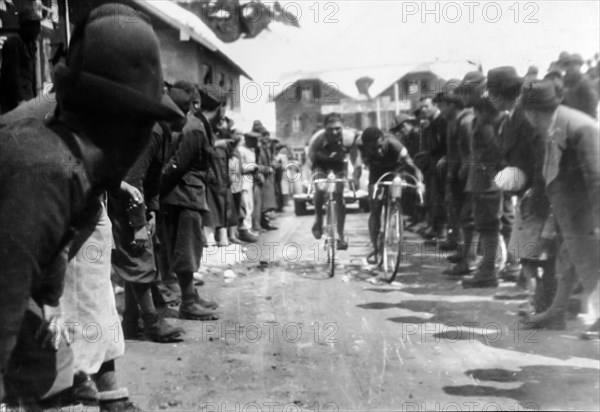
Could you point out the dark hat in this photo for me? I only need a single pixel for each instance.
(29, 16)
(252, 135)
(448, 93)
(540, 95)
(574, 58)
(400, 120)
(532, 70)
(212, 96)
(181, 97)
(555, 67)
(472, 87)
(503, 81)
(258, 127)
(563, 57)
(114, 68)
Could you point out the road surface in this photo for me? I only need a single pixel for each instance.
(290, 339)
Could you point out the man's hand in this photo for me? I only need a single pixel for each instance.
(135, 196)
(140, 239)
(420, 190)
(51, 331)
(152, 223)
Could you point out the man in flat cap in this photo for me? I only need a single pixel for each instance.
(18, 79)
(571, 173)
(103, 121)
(580, 92)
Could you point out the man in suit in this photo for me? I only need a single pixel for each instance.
(571, 172)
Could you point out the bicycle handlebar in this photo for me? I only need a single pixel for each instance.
(381, 183)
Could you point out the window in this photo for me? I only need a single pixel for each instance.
(221, 79)
(207, 75)
(307, 94)
(296, 124)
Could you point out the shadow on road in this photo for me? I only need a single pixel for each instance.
(537, 386)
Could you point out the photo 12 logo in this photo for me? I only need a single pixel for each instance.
(469, 11)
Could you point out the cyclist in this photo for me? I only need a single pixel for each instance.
(382, 154)
(329, 151)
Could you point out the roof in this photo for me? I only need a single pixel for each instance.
(187, 22)
(383, 77)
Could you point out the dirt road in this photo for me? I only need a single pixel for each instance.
(291, 339)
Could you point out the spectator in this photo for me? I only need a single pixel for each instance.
(18, 79)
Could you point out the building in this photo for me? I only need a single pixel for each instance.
(190, 51)
(364, 97)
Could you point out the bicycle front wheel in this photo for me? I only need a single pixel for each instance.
(393, 240)
(331, 243)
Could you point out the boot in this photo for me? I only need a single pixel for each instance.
(486, 275)
(554, 317)
(246, 237)
(192, 308)
(116, 401)
(157, 329)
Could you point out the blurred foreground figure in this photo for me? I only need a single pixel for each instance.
(572, 177)
(109, 94)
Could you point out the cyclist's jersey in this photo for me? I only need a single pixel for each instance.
(324, 154)
(386, 158)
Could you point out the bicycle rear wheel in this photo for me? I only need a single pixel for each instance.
(331, 243)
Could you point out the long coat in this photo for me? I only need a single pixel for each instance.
(571, 170)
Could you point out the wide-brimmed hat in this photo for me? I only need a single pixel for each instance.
(114, 68)
(400, 119)
(471, 88)
(503, 81)
(540, 95)
(448, 93)
(574, 58)
(252, 135)
(212, 96)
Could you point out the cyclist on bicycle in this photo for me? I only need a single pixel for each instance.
(329, 151)
(382, 154)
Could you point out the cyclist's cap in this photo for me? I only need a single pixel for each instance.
(371, 135)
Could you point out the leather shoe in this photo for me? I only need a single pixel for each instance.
(246, 237)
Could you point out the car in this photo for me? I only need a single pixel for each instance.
(304, 202)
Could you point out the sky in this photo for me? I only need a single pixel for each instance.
(344, 34)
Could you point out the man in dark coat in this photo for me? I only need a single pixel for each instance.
(488, 199)
(18, 78)
(133, 225)
(434, 146)
(571, 172)
(54, 174)
(183, 201)
(580, 92)
(458, 173)
(451, 106)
